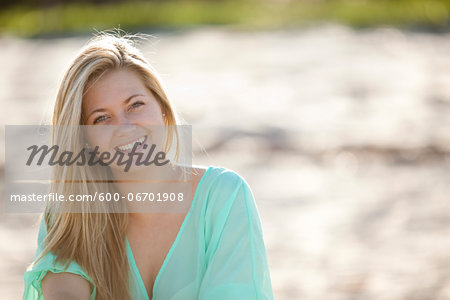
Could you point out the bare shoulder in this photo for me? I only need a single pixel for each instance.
(65, 286)
(197, 174)
(199, 171)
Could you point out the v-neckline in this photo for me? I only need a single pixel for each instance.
(169, 254)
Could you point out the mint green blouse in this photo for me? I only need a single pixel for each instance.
(219, 252)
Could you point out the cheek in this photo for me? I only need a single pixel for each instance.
(98, 136)
(148, 116)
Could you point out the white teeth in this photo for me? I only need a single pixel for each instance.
(130, 145)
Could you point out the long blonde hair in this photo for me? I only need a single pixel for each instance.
(95, 239)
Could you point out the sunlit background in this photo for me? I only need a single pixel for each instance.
(336, 113)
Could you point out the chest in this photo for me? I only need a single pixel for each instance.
(151, 244)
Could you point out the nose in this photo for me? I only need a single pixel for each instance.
(123, 126)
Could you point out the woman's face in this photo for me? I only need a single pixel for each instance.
(120, 112)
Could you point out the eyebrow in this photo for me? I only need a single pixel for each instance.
(125, 102)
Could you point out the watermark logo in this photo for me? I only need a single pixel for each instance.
(106, 168)
(94, 157)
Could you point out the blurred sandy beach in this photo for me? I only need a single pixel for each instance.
(342, 134)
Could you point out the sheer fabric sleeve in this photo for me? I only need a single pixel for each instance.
(37, 270)
(236, 260)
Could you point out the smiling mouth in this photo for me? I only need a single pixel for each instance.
(127, 147)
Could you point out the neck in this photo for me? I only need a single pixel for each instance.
(139, 186)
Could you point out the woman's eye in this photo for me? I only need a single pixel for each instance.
(100, 119)
(136, 104)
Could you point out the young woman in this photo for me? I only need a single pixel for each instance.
(212, 250)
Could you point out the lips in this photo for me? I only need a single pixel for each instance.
(129, 145)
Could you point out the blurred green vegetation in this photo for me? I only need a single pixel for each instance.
(31, 19)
